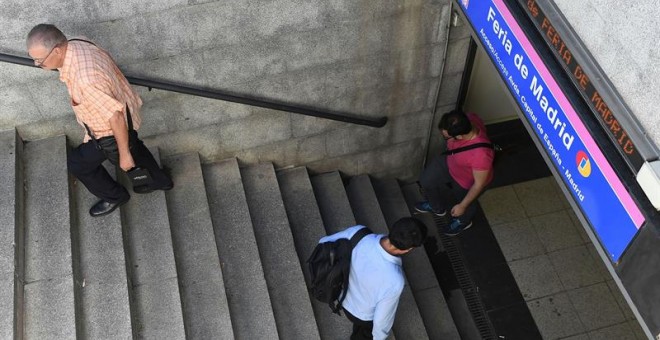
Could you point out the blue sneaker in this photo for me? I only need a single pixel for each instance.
(455, 227)
(425, 206)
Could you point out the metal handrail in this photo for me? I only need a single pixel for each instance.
(377, 122)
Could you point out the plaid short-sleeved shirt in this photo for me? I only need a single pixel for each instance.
(97, 88)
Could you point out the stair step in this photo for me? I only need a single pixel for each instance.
(307, 228)
(334, 206)
(394, 207)
(286, 284)
(205, 309)
(247, 293)
(333, 202)
(101, 282)
(10, 203)
(408, 323)
(417, 266)
(156, 303)
(460, 315)
(49, 288)
(412, 195)
(364, 203)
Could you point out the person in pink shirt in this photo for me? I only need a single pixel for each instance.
(453, 180)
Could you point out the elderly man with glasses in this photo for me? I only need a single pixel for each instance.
(107, 108)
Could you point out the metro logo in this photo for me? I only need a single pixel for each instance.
(583, 164)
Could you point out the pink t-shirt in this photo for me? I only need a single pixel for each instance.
(463, 163)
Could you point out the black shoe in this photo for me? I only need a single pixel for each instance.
(145, 189)
(102, 207)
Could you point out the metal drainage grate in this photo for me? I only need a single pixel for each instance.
(470, 290)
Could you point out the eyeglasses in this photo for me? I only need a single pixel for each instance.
(40, 61)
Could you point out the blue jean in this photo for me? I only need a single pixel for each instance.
(442, 191)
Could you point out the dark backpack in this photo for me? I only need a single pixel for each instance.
(329, 266)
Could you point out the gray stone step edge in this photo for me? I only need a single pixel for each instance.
(19, 301)
(307, 228)
(13, 246)
(75, 258)
(456, 302)
(99, 268)
(204, 301)
(408, 322)
(247, 293)
(332, 202)
(162, 295)
(335, 209)
(437, 317)
(334, 206)
(49, 294)
(288, 292)
(364, 204)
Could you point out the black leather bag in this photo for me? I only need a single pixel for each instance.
(139, 176)
(108, 145)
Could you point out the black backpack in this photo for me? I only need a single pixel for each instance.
(329, 266)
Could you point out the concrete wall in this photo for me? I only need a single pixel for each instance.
(371, 58)
(623, 38)
(452, 76)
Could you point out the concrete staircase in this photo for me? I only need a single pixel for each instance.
(220, 256)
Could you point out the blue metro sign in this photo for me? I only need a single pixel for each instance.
(595, 187)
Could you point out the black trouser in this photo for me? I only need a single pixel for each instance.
(442, 190)
(85, 163)
(362, 330)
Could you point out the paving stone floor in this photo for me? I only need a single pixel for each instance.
(565, 283)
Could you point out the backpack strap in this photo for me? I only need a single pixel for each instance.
(83, 40)
(469, 147)
(128, 113)
(355, 239)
